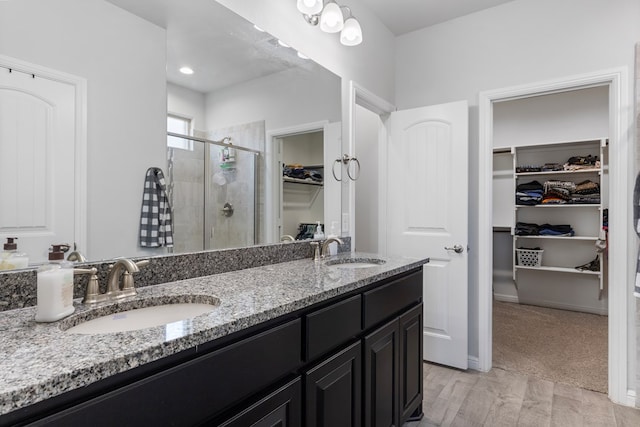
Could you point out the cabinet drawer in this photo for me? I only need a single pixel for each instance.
(385, 301)
(332, 326)
(281, 408)
(195, 390)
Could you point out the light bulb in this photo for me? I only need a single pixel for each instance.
(331, 20)
(310, 7)
(351, 34)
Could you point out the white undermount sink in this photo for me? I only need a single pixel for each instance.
(141, 318)
(351, 263)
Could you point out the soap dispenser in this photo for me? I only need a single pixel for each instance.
(55, 287)
(10, 258)
(319, 234)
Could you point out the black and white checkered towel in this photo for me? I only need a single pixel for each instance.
(155, 218)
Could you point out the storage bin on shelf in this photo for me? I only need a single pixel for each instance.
(529, 257)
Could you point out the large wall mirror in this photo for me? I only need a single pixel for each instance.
(275, 107)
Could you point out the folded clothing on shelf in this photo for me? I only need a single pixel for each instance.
(299, 172)
(582, 162)
(528, 229)
(528, 168)
(556, 230)
(529, 193)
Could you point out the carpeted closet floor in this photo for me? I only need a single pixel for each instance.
(562, 346)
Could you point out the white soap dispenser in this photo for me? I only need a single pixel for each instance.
(319, 234)
(55, 287)
(333, 232)
(10, 258)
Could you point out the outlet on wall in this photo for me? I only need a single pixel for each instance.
(345, 222)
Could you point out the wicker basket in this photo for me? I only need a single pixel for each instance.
(530, 257)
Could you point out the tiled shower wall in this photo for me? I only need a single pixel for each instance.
(237, 186)
(199, 190)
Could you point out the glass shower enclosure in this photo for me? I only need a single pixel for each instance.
(213, 190)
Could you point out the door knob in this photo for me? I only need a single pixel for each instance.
(456, 248)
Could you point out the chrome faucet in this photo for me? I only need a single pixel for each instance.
(121, 268)
(326, 243)
(287, 238)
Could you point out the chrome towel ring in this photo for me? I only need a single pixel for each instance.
(346, 160)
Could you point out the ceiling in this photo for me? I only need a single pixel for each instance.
(224, 49)
(404, 16)
(221, 47)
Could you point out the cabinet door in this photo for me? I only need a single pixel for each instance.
(411, 364)
(381, 376)
(333, 390)
(282, 408)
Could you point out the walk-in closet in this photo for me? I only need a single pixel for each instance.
(550, 221)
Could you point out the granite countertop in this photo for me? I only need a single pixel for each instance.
(41, 360)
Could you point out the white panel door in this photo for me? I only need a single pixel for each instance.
(427, 193)
(37, 155)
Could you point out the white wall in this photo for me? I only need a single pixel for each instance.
(516, 43)
(187, 103)
(288, 98)
(123, 59)
(367, 126)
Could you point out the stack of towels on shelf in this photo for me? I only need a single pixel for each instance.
(555, 192)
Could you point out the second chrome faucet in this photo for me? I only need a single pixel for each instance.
(320, 251)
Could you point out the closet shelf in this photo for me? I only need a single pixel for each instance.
(560, 206)
(545, 173)
(560, 237)
(301, 181)
(558, 269)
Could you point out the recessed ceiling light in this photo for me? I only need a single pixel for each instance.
(283, 44)
(186, 70)
(258, 28)
(302, 55)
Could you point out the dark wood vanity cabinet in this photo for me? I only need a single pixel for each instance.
(354, 360)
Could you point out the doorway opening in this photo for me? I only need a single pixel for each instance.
(556, 136)
(303, 176)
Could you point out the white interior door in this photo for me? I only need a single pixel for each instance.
(427, 196)
(37, 155)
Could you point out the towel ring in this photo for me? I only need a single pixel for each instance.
(346, 160)
(353, 159)
(333, 170)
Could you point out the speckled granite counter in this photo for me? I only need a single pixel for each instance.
(39, 361)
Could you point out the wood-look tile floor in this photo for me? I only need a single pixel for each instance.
(502, 398)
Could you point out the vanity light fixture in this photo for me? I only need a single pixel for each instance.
(283, 44)
(332, 20)
(186, 70)
(310, 7)
(302, 56)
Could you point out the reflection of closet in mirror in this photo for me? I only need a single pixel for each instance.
(303, 180)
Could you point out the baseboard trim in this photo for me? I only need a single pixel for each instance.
(631, 399)
(506, 298)
(473, 363)
(569, 307)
